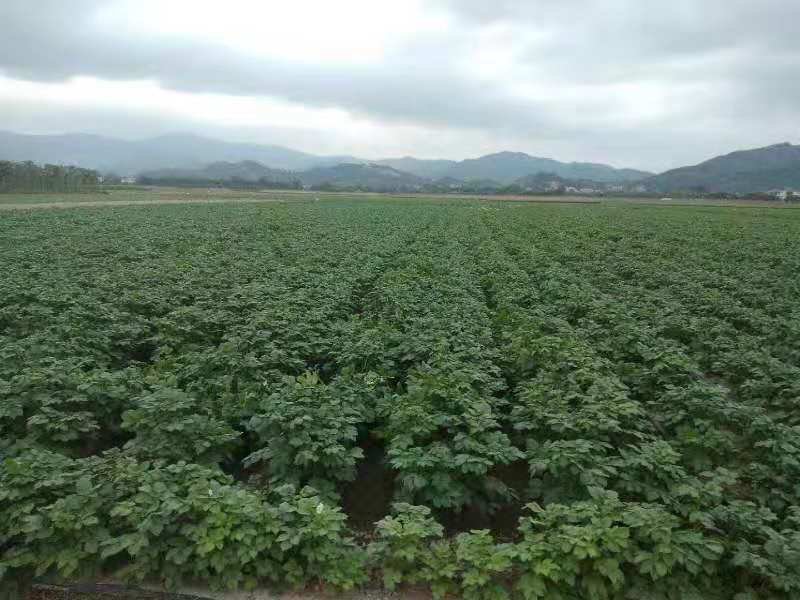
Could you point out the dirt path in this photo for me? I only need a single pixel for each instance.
(216, 196)
(98, 203)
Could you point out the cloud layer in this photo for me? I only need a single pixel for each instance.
(631, 83)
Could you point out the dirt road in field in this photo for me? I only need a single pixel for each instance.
(160, 196)
(98, 203)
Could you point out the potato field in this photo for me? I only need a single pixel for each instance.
(485, 400)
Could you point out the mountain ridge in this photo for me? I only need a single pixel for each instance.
(776, 166)
(507, 166)
(181, 150)
(247, 171)
(740, 171)
(172, 150)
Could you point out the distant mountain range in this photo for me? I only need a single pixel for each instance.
(368, 176)
(507, 167)
(344, 175)
(189, 157)
(362, 176)
(190, 151)
(125, 157)
(248, 171)
(745, 171)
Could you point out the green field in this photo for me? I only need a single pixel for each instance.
(484, 399)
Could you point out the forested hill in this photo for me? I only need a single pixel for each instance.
(131, 157)
(506, 167)
(366, 176)
(760, 169)
(187, 151)
(243, 173)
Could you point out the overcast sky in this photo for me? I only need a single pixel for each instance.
(635, 83)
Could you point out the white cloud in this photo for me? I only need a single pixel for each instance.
(312, 31)
(213, 109)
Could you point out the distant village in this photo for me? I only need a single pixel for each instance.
(785, 195)
(538, 184)
(380, 178)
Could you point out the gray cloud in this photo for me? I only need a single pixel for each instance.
(725, 73)
(416, 85)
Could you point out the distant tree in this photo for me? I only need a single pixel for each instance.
(27, 176)
(325, 186)
(761, 196)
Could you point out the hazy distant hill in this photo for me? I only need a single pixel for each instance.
(431, 169)
(761, 169)
(359, 175)
(346, 176)
(244, 171)
(745, 171)
(507, 167)
(191, 151)
(550, 182)
(168, 151)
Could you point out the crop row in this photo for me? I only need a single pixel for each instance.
(198, 392)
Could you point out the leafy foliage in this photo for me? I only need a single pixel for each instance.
(310, 431)
(600, 546)
(169, 424)
(174, 521)
(194, 392)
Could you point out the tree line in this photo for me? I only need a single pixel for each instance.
(28, 176)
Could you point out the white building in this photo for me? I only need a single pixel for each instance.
(553, 186)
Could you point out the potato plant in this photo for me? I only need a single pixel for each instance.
(558, 402)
